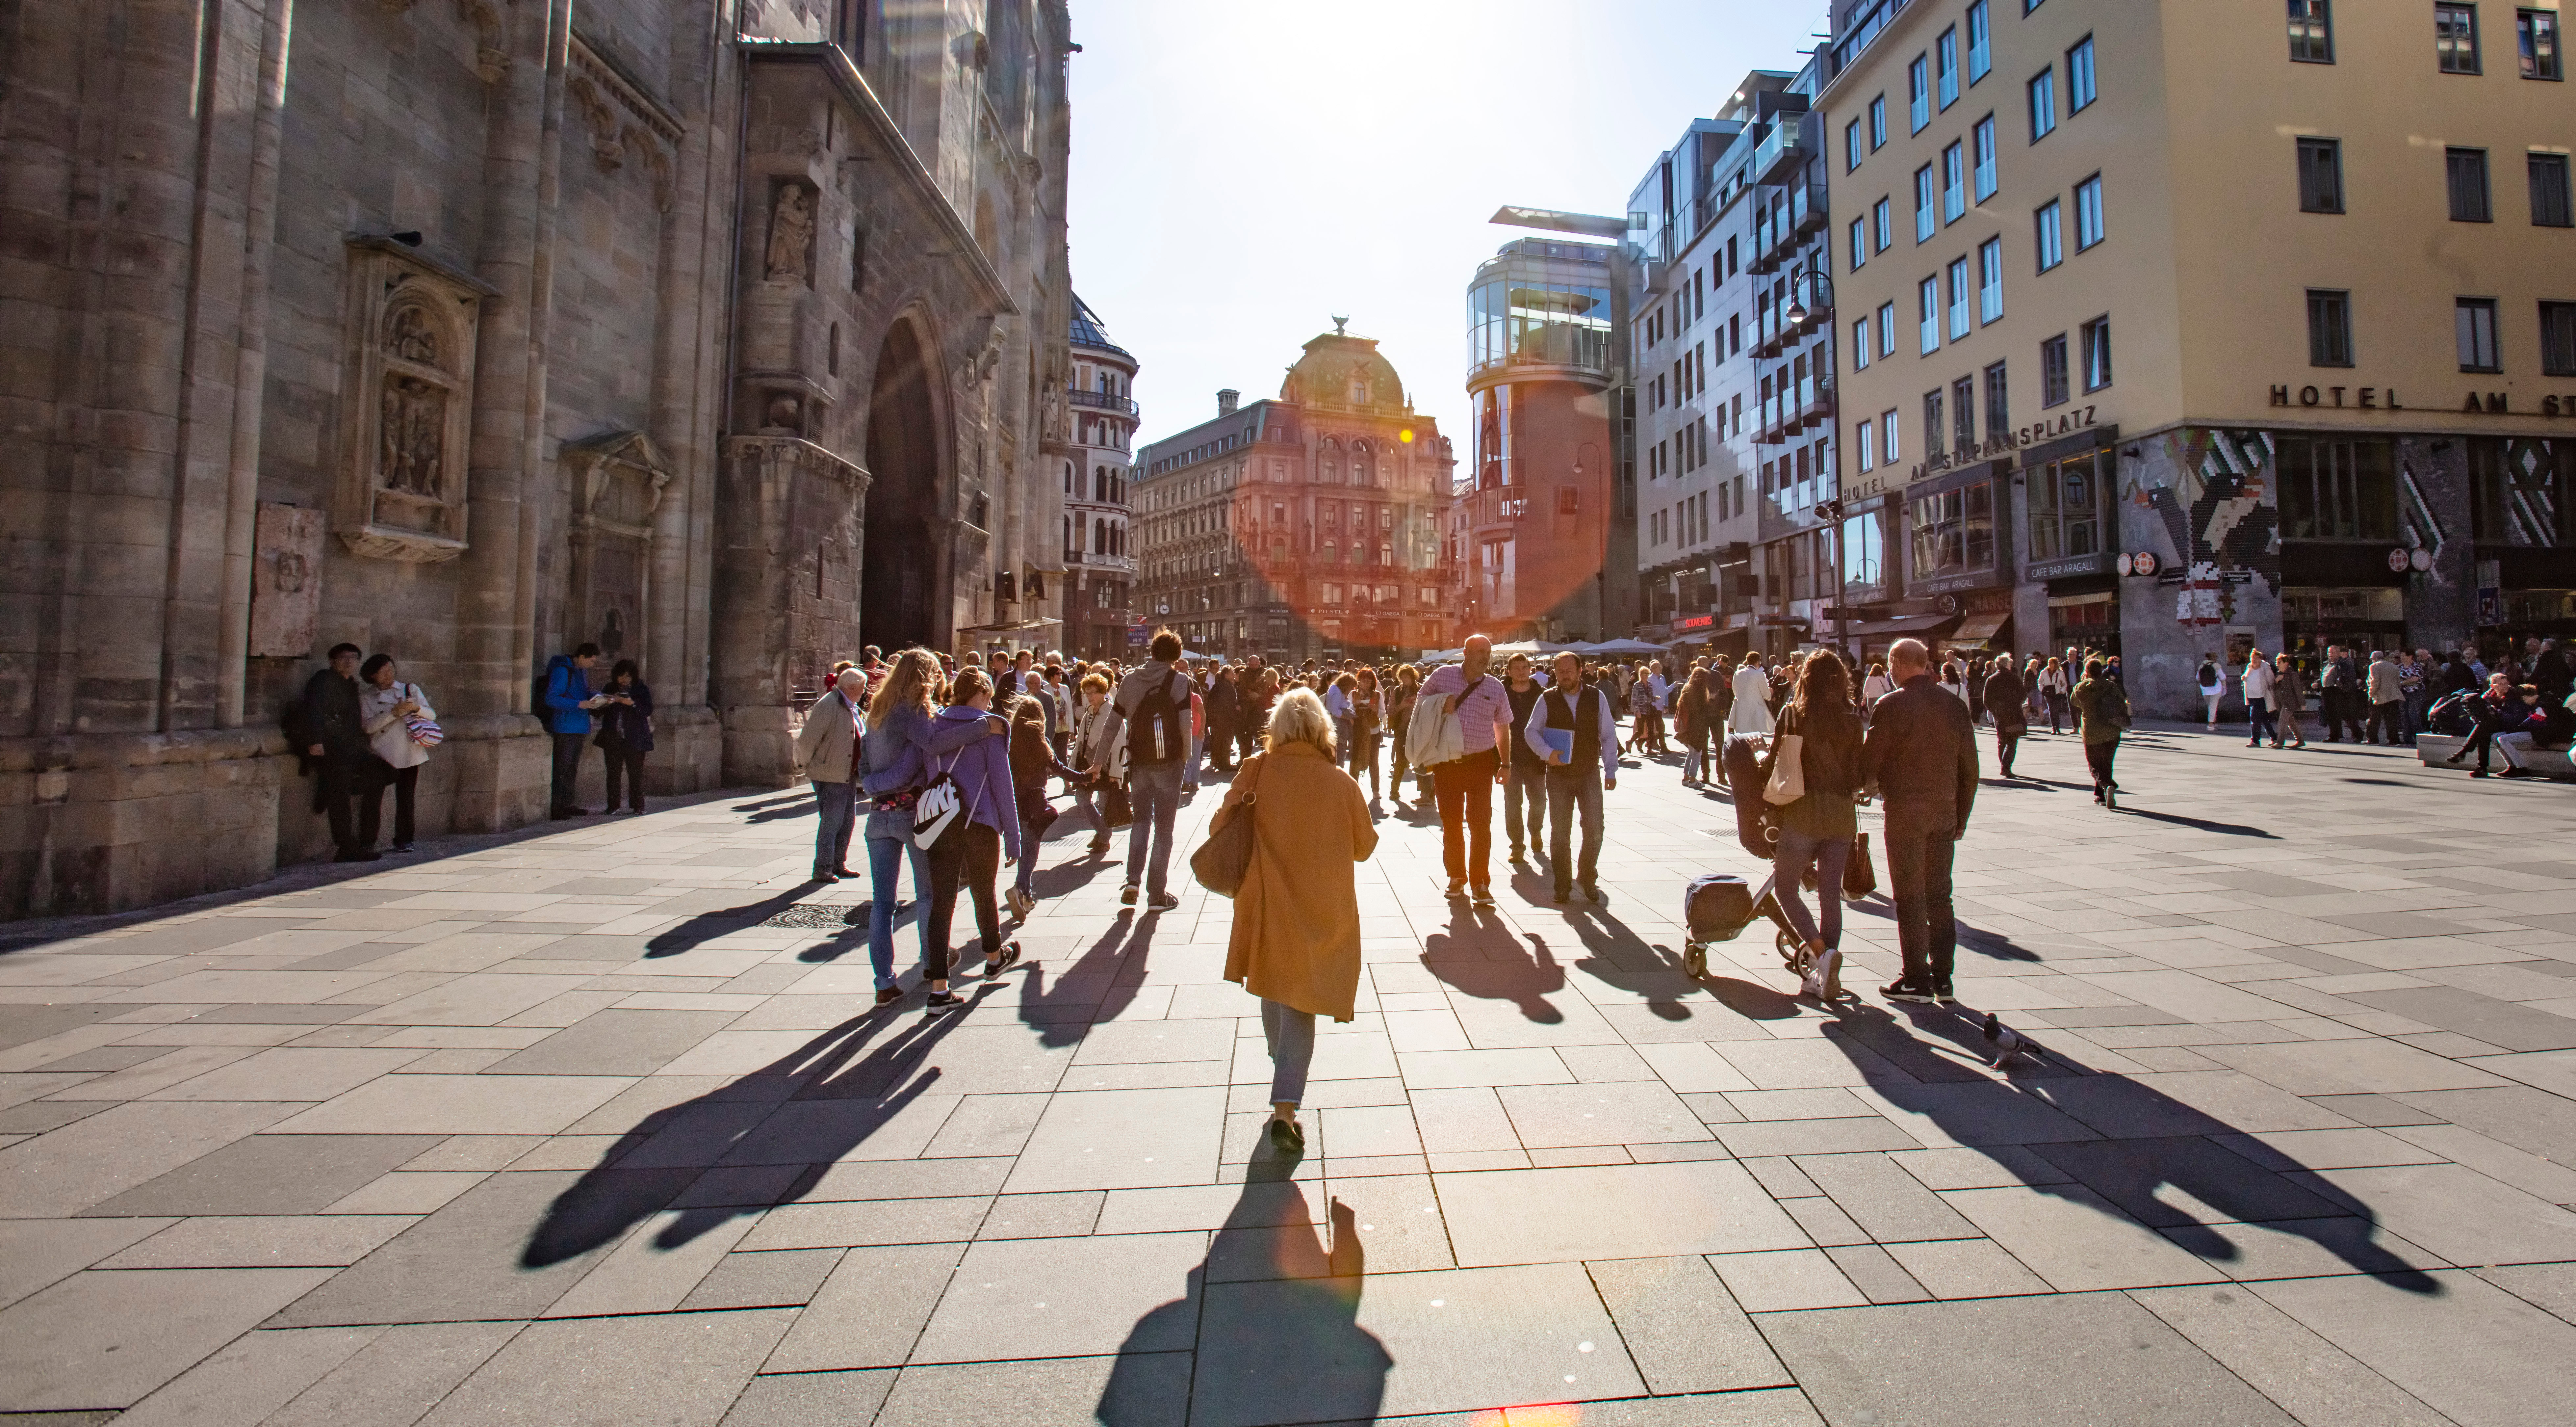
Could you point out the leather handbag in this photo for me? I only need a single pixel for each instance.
(1225, 859)
(1859, 878)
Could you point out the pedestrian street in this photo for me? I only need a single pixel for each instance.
(598, 1123)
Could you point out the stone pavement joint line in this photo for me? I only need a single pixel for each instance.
(603, 1126)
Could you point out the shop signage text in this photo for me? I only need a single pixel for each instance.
(2070, 567)
(2373, 398)
(2005, 441)
(1691, 622)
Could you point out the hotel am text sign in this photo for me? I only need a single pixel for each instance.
(2384, 398)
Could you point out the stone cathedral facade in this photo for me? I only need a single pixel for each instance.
(729, 335)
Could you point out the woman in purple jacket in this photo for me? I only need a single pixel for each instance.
(992, 826)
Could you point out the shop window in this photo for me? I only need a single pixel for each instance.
(1954, 532)
(2337, 490)
(2518, 491)
(2068, 508)
(1864, 553)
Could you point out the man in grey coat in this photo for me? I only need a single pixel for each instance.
(1921, 756)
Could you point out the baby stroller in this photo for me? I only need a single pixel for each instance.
(1719, 906)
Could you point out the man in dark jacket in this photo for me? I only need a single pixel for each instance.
(1219, 699)
(336, 751)
(569, 701)
(1921, 756)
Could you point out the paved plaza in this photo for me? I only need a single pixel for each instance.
(601, 1126)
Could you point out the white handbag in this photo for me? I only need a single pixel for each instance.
(1788, 772)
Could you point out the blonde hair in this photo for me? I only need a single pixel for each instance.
(910, 683)
(1299, 717)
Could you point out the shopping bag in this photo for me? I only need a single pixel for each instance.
(1788, 772)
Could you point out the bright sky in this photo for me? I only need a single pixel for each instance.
(1243, 172)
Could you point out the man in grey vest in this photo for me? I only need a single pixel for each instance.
(1579, 715)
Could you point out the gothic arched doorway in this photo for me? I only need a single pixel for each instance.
(899, 593)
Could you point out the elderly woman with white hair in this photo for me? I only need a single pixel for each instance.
(1296, 938)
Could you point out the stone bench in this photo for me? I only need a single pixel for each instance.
(2432, 748)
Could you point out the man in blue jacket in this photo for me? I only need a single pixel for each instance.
(567, 715)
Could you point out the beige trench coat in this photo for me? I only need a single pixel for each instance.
(1296, 933)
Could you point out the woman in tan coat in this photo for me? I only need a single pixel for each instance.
(1296, 940)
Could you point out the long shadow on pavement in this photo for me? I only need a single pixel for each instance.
(1102, 982)
(794, 1118)
(1273, 1316)
(2150, 1141)
(1481, 955)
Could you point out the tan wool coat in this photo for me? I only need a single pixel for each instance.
(1297, 916)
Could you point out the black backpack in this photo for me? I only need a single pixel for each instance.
(1159, 731)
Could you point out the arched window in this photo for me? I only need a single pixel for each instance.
(1332, 553)
(1068, 480)
(1099, 537)
(1385, 553)
(1100, 483)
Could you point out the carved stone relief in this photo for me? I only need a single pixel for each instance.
(791, 234)
(406, 407)
(623, 121)
(286, 581)
(617, 481)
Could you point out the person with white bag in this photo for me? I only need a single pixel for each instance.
(401, 729)
(1815, 773)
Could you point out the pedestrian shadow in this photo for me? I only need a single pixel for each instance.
(802, 807)
(793, 1119)
(705, 927)
(853, 935)
(1100, 984)
(1480, 955)
(1271, 1317)
(756, 804)
(1944, 1047)
(1617, 957)
(2201, 824)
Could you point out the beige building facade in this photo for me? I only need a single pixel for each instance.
(727, 337)
(2186, 326)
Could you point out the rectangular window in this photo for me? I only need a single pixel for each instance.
(2337, 490)
(1923, 204)
(2329, 328)
(1887, 329)
(1878, 123)
(1990, 281)
(1954, 184)
(2466, 170)
(1888, 451)
(2088, 213)
(1934, 434)
(2474, 319)
(1958, 299)
(1851, 146)
(2067, 503)
(2455, 38)
(2536, 38)
(1981, 47)
(1947, 51)
(1859, 243)
(1882, 225)
(2549, 197)
(2050, 232)
(1963, 416)
(2053, 385)
(1984, 137)
(2311, 32)
(2097, 353)
(1918, 93)
(1865, 444)
(1862, 346)
(2043, 104)
(2320, 175)
(2558, 339)
(2081, 90)
(1928, 299)
(1954, 531)
(1998, 402)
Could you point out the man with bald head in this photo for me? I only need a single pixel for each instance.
(1465, 785)
(1921, 756)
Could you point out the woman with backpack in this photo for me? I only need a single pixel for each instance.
(968, 856)
(401, 728)
(2102, 712)
(1295, 942)
(895, 758)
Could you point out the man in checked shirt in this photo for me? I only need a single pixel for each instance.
(1464, 786)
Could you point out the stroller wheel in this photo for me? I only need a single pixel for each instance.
(1695, 959)
(1793, 952)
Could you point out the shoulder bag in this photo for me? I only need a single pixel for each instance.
(1225, 859)
(1788, 780)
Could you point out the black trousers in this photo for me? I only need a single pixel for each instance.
(567, 771)
(353, 799)
(1919, 857)
(2006, 745)
(627, 764)
(405, 782)
(1220, 744)
(2098, 757)
(2388, 718)
(974, 851)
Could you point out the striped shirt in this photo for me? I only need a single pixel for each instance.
(1484, 713)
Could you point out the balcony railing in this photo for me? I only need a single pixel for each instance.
(1103, 400)
(1778, 149)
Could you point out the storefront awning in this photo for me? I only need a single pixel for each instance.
(1976, 629)
(1909, 624)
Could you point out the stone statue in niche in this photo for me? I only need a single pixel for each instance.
(791, 234)
(414, 435)
(410, 337)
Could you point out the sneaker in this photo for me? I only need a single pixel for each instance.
(943, 1001)
(1163, 901)
(399, 847)
(1002, 960)
(1902, 990)
(821, 874)
(1287, 1136)
(2517, 773)
(1099, 845)
(888, 995)
(1457, 886)
(1127, 895)
(1941, 991)
(1482, 893)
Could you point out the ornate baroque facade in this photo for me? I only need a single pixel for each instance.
(727, 334)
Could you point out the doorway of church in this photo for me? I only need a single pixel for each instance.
(899, 598)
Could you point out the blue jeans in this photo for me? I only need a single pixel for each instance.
(1154, 792)
(836, 810)
(2258, 716)
(1789, 868)
(1291, 1036)
(885, 871)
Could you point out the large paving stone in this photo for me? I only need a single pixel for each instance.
(1628, 1211)
(107, 1339)
(678, 1369)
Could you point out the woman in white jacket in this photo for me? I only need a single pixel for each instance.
(1100, 754)
(1752, 710)
(2258, 698)
(387, 708)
